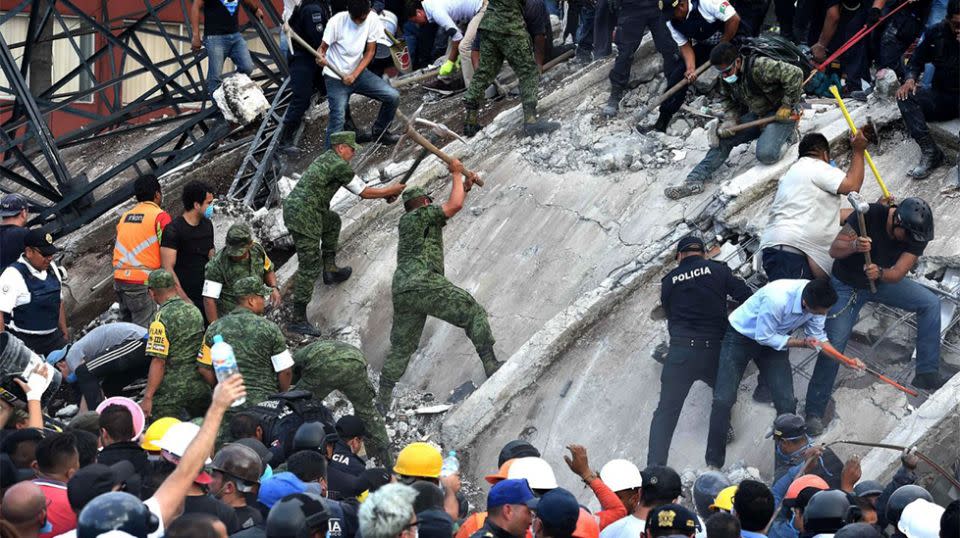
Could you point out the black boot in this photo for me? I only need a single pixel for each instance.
(928, 381)
(532, 125)
(613, 102)
(286, 143)
(384, 137)
(471, 123)
(663, 120)
(331, 273)
(299, 323)
(931, 156)
(489, 360)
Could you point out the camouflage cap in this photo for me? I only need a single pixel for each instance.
(239, 238)
(413, 192)
(251, 285)
(345, 137)
(160, 279)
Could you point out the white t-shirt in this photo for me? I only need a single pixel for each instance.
(347, 41)
(806, 210)
(449, 14)
(711, 10)
(14, 291)
(628, 527)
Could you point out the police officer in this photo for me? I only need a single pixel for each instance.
(30, 296)
(315, 227)
(833, 23)
(349, 449)
(308, 21)
(240, 257)
(694, 296)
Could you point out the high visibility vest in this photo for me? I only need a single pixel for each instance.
(137, 250)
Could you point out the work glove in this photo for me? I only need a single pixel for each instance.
(785, 114)
(447, 67)
(873, 16)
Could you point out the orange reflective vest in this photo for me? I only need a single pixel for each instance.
(137, 250)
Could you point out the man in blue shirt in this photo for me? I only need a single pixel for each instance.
(760, 331)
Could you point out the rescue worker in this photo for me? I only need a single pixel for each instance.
(694, 296)
(941, 100)
(241, 257)
(420, 288)
(13, 227)
(760, 87)
(793, 448)
(328, 365)
(234, 474)
(174, 388)
(31, 296)
(459, 21)
(104, 361)
(508, 515)
(315, 227)
(833, 23)
(137, 251)
(898, 32)
(258, 345)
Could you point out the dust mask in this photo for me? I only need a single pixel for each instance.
(730, 79)
(208, 212)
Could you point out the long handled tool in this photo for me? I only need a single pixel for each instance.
(472, 177)
(713, 128)
(923, 457)
(832, 352)
(853, 130)
(645, 109)
(860, 206)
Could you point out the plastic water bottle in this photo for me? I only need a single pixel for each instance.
(451, 465)
(224, 363)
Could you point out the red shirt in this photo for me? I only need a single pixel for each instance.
(59, 513)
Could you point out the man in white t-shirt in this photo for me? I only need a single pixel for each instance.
(806, 212)
(452, 16)
(349, 45)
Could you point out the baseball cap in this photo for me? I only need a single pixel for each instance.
(788, 426)
(672, 517)
(279, 486)
(251, 285)
(57, 355)
(517, 449)
(690, 243)
(351, 426)
(96, 479)
(40, 240)
(558, 509)
(12, 203)
(510, 491)
(866, 488)
(661, 482)
(160, 279)
(239, 238)
(345, 137)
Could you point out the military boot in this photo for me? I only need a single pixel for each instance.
(489, 360)
(299, 323)
(931, 156)
(285, 144)
(331, 273)
(471, 123)
(532, 125)
(613, 102)
(384, 398)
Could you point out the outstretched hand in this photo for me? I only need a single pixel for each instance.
(577, 460)
(228, 391)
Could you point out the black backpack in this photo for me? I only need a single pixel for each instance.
(776, 47)
(282, 414)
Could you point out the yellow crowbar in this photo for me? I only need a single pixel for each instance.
(853, 129)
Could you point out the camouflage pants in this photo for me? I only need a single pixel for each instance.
(410, 311)
(181, 398)
(494, 48)
(328, 365)
(309, 253)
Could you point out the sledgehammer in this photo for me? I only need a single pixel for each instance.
(861, 207)
(713, 128)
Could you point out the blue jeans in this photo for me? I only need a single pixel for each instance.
(735, 353)
(369, 85)
(553, 8)
(221, 47)
(771, 144)
(907, 295)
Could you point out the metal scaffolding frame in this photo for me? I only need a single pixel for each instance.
(31, 159)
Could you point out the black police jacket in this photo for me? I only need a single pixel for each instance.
(694, 296)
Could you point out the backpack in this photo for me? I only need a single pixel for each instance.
(282, 414)
(776, 47)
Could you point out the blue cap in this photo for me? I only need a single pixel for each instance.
(510, 491)
(558, 509)
(57, 355)
(279, 486)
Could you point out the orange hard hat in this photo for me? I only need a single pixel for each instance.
(501, 474)
(804, 482)
(587, 526)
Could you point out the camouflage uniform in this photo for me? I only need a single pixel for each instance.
(420, 289)
(175, 335)
(225, 271)
(328, 365)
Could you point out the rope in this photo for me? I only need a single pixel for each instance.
(923, 457)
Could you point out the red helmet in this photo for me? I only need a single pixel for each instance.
(804, 482)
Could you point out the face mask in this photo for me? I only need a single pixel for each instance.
(363, 450)
(208, 212)
(730, 79)
(267, 473)
(833, 163)
(47, 527)
(72, 378)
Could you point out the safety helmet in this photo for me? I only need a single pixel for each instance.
(803, 482)
(705, 490)
(724, 500)
(619, 475)
(309, 436)
(116, 511)
(297, 515)
(915, 216)
(867, 488)
(921, 519)
(155, 432)
(858, 530)
(238, 461)
(420, 460)
(537, 471)
(826, 512)
(903, 496)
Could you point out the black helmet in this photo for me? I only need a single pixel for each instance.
(705, 490)
(900, 498)
(297, 516)
(914, 215)
(867, 488)
(309, 436)
(858, 530)
(116, 511)
(826, 512)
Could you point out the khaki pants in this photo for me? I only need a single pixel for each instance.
(466, 45)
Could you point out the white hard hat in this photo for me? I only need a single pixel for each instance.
(921, 519)
(178, 438)
(619, 475)
(537, 471)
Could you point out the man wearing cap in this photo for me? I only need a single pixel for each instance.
(671, 520)
(694, 298)
(235, 473)
(174, 387)
(315, 227)
(555, 514)
(240, 258)
(104, 361)
(347, 451)
(328, 365)
(660, 486)
(96, 479)
(793, 449)
(31, 296)
(258, 344)
(508, 515)
(420, 288)
(13, 228)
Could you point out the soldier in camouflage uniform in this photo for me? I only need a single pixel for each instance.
(503, 36)
(761, 87)
(420, 289)
(174, 388)
(241, 257)
(328, 365)
(316, 228)
(258, 344)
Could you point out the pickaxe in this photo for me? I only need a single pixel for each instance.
(471, 177)
(832, 352)
(713, 128)
(860, 206)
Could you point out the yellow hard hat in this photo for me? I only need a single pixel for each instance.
(155, 432)
(419, 459)
(724, 500)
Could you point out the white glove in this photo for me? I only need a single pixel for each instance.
(38, 381)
